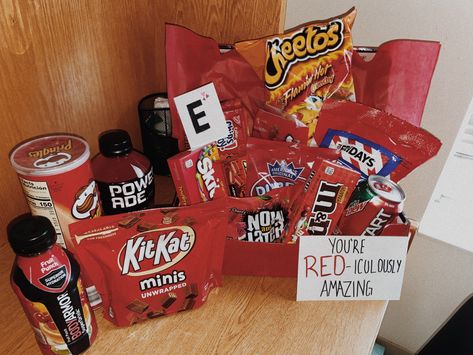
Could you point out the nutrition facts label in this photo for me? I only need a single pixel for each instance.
(41, 204)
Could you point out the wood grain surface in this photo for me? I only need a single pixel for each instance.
(248, 315)
(82, 66)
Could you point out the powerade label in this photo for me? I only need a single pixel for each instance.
(127, 196)
(361, 154)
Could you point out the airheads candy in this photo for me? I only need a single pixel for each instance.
(56, 177)
(155, 262)
(198, 175)
(372, 141)
(304, 66)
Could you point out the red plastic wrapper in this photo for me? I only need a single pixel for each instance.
(153, 263)
(262, 218)
(397, 79)
(272, 165)
(198, 175)
(372, 141)
(274, 126)
(236, 117)
(235, 172)
(325, 196)
(305, 65)
(193, 60)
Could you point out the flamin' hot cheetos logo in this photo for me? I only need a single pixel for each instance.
(310, 42)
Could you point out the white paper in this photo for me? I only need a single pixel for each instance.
(351, 268)
(449, 214)
(201, 116)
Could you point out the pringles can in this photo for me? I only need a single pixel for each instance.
(56, 176)
(374, 204)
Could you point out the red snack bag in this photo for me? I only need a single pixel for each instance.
(193, 60)
(272, 165)
(269, 125)
(236, 117)
(305, 65)
(235, 172)
(325, 195)
(198, 175)
(373, 141)
(167, 265)
(396, 80)
(262, 218)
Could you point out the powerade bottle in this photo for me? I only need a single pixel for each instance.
(45, 277)
(124, 176)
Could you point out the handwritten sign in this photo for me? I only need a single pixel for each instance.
(201, 116)
(351, 268)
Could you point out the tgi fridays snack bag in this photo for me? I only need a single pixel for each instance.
(155, 262)
(304, 66)
(56, 177)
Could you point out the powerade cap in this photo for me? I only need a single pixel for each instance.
(115, 142)
(30, 235)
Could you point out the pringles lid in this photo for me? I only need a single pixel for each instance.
(49, 155)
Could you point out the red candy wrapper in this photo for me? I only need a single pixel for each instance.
(273, 165)
(262, 218)
(236, 117)
(373, 141)
(273, 126)
(235, 172)
(325, 195)
(168, 265)
(198, 175)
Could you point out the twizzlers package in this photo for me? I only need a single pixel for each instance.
(153, 263)
(304, 66)
(198, 175)
(373, 141)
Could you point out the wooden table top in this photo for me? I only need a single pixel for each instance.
(247, 315)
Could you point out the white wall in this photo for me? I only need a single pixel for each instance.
(438, 276)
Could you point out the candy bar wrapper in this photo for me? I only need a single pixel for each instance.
(148, 274)
(262, 219)
(272, 165)
(397, 79)
(193, 60)
(372, 141)
(198, 175)
(305, 66)
(278, 126)
(325, 196)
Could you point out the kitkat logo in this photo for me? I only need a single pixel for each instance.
(156, 250)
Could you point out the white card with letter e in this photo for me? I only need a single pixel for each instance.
(201, 115)
(351, 268)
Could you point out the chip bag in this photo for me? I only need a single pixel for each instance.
(372, 141)
(155, 262)
(304, 66)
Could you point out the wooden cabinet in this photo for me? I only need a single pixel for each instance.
(82, 66)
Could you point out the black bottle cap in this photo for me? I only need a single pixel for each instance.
(29, 235)
(115, 142)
